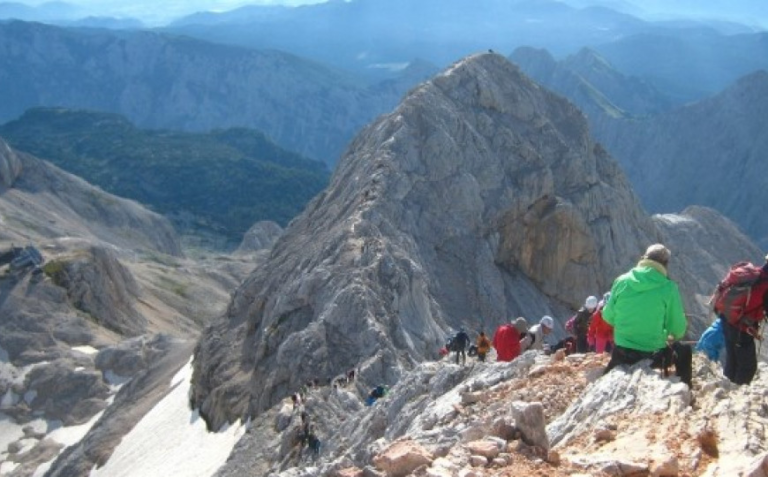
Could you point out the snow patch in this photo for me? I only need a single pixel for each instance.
(674, 219)
(85, 349)
(70, 435)
(10, 432)
(7, 467)
(171, 439)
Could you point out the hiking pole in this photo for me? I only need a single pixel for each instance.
(760, 346)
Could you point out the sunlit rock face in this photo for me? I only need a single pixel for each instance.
(480, 198)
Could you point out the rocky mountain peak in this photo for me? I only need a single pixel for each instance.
(480, 198)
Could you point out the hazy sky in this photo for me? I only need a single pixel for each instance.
(156, 11)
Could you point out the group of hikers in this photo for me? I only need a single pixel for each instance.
(642, 317)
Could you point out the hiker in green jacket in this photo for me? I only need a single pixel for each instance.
(646, 312)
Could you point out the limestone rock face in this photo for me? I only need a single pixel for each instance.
(480, 198)
(262, 235)
(131, 356)
(98, 284)
(54, 204)
(70, 396)
(717, 144)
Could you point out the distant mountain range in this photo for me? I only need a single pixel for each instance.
(216, 184)
(364, 35)
(710, 152)
(634, 70)
(165, 81)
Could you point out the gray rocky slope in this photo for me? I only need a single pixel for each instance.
(716, 146)
(111, 316)
(710, 152)
(479, 198)
(536, 415)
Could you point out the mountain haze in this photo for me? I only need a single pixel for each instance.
(479, 198)
(710, 153)
(591, 82)
(686, 59)
(171, 82)
(710, 143)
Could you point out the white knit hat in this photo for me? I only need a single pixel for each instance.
(547, 321)
(591, 303)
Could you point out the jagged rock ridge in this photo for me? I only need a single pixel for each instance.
(481, 197)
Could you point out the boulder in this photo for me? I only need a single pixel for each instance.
(401, 458)
(529, 420)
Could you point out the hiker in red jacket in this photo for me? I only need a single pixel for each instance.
(600, 334)
(506, 340)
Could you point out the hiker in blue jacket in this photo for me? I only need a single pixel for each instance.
(712, 341)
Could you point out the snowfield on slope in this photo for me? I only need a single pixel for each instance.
(172, 439)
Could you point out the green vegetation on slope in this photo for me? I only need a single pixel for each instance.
(221, 182)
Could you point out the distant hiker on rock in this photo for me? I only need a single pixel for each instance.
(581, 322)
(459, 344)
(534, 338)
(646, 312)
(568, 344)
(741, 303)
(483, 346)
(712, 340)
(297, 401)
(376, 393)
(507, 337)
(600, 333)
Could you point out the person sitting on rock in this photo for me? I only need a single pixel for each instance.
(581, 322)
(506, 339)
(483, 346)
(646, 312)
(600, 333)
(534, 338)
(712, 341)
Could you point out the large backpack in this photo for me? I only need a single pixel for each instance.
(732, 296)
